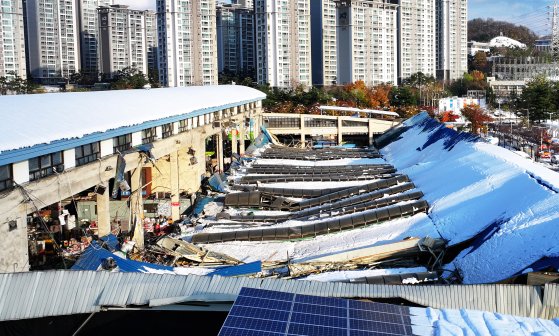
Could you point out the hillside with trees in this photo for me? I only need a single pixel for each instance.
(483, 30)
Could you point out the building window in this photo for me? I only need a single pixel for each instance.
(149, 135)
(45, 165)
(167, 130)
(87, 153)
(6, 177)
(122, 143)
(183, 126)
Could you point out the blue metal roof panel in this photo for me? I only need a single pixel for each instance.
(244, 269)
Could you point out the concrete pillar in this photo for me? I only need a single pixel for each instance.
(137, 207)
(103, 213)
(340, 128)
(303, 130)
(219, 154)
(14, 254)
(234, 142)
(242, 131)
(371, 138)
(174, 172)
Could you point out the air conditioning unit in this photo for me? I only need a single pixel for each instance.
(216, 124)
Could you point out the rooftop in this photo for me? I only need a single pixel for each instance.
(31, 120)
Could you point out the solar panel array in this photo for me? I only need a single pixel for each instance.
(270, 313)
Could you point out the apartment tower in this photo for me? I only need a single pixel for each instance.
(367, 41)
(416, 38)
(235, 38)
(188, 42)
(89, 34)
(12, 50)
(52, 39)
(452, 38)
(323, 33)
(283, 42)
(123, 39)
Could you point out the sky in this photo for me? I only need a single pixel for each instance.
(531, 13)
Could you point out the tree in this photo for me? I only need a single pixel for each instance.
(481, 30)
(449, 116)
(418, 79)
(129, 78)
(153, 77)
(479, 62)
(539, 98)
(476, 116)
(403, 96)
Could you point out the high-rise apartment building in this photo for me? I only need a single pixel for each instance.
(123, 39)
(12, 49)
(244, 3)
(89, 34)
(367, 41)
(323, 35)
(188, 42)
(452, 38)
(283, 42)
(52, 39)
(416, 38)
(152, 43)
(235, 38)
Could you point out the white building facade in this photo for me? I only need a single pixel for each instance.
(367, 41)
(283, 42)
(452, 38)
(123, 39)
(53, 39)
(416, 35)
(89, 34)
(12, 51)
(235, 38)
(187, 42)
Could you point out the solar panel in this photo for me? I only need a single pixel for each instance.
(271, 313)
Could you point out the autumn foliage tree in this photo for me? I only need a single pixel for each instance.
(449, 116)
(476, 116)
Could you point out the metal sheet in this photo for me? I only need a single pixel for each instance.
(53, 293)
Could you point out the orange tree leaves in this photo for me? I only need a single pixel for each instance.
(476, 116)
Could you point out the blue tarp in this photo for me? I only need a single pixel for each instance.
(94, 255)
(111, 241)
(244, 269)
(216, 183)
(200, 204)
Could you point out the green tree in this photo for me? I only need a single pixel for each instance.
(129, 78)
(153, 78)
(539, 98)
(403, 96)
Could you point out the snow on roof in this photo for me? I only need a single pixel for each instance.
(505, 42)
(431, 321)
(28, 120)
(508, 205)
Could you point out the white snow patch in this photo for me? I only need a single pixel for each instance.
(348, 275)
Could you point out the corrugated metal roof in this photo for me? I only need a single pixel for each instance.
(52, 293)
